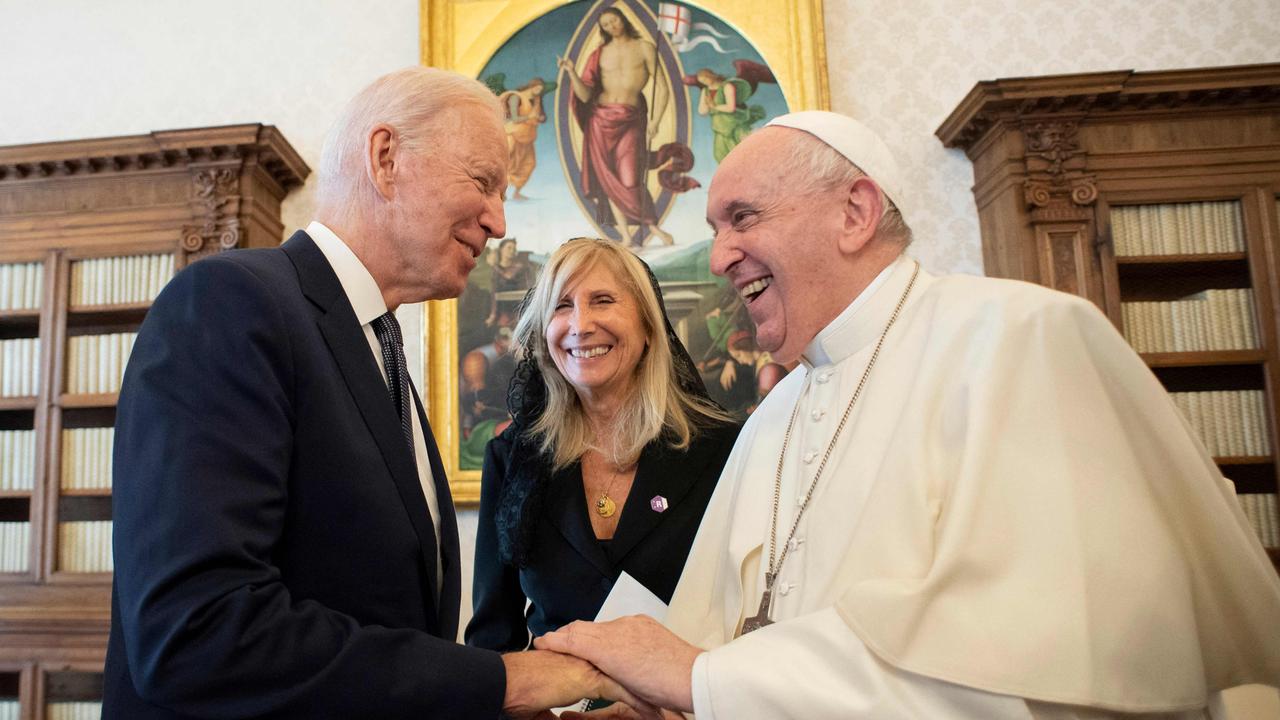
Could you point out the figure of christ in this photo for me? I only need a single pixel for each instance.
(609, 104)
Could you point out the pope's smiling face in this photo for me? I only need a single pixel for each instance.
(776, 246)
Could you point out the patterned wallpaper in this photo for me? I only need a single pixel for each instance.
(902, 67)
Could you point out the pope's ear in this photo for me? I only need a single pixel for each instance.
(381, 149)
(863, 208)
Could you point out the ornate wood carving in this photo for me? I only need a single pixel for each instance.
(992, 103)
(1057, 187)
(208, 189)
(215, 203)
(262, 144)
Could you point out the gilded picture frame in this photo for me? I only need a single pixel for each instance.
(464, 35)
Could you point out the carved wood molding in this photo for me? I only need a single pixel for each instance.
(222, 175)
(1057, 187)
(992, 103)
(215, 202)
(173, 149)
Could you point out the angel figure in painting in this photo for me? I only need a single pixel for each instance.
(725, 100)
(523, 109)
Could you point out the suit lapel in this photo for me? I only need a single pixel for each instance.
(661, 473)
(346, 340)
(450, 555)
(567, 506)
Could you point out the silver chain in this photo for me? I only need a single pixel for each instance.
(786, 441)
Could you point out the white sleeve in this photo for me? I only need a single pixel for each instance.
(815, 667)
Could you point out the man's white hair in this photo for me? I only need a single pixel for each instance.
(815, 167)
(413, 101)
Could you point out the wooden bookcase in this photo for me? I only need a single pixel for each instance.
(1151, 194)
(74, 213)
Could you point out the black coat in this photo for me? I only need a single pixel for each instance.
(274, 552)
(569, 574)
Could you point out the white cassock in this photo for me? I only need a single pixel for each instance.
(1015, 523)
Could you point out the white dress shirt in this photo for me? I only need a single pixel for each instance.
(366, 300)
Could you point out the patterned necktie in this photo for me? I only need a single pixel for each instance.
(387, 329)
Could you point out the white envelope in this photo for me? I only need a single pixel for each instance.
(628, 597)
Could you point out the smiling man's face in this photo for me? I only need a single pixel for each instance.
(776, 246)
(448, 204)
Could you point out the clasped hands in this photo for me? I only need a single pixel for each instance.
(634, 661)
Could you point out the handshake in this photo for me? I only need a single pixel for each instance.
(634, 661)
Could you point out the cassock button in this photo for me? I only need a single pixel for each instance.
(810, 456)
(796, 543)
(785, 588)
(823, 377)
(817, 414)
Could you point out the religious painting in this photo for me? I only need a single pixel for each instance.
(617, 114)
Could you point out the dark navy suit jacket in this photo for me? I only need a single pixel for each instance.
(570, 574)
(274, 554)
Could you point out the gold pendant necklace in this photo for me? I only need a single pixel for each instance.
(761, 618)
(605, 506)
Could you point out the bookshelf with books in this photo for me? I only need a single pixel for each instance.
(1156, 196)
(90, 232)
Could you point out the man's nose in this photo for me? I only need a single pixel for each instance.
(494, 219)
(724, 253)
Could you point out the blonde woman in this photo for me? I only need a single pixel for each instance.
(614, 451)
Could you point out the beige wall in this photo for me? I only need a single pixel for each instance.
(83, 68)
(903, 66)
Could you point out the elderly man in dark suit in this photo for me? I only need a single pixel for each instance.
(285, 542)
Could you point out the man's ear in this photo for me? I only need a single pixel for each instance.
(863, 208)
(380, 158)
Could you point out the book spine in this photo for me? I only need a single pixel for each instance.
(70, 464)
(1251, 503)
(9, 287)
(1120, 231)
(1235, 226)
(14, 546)
(1270, 520)
(1232, 418)
(1174, 241)
(1217, 227)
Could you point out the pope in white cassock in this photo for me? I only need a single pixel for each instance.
(970, 500)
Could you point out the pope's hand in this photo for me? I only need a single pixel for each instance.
(537, 680)
(637, 652)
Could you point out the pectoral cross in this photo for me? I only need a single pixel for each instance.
(761, 618)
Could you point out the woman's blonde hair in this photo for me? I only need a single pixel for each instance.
(658, 404)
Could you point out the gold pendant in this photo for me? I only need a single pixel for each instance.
(605, 506)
